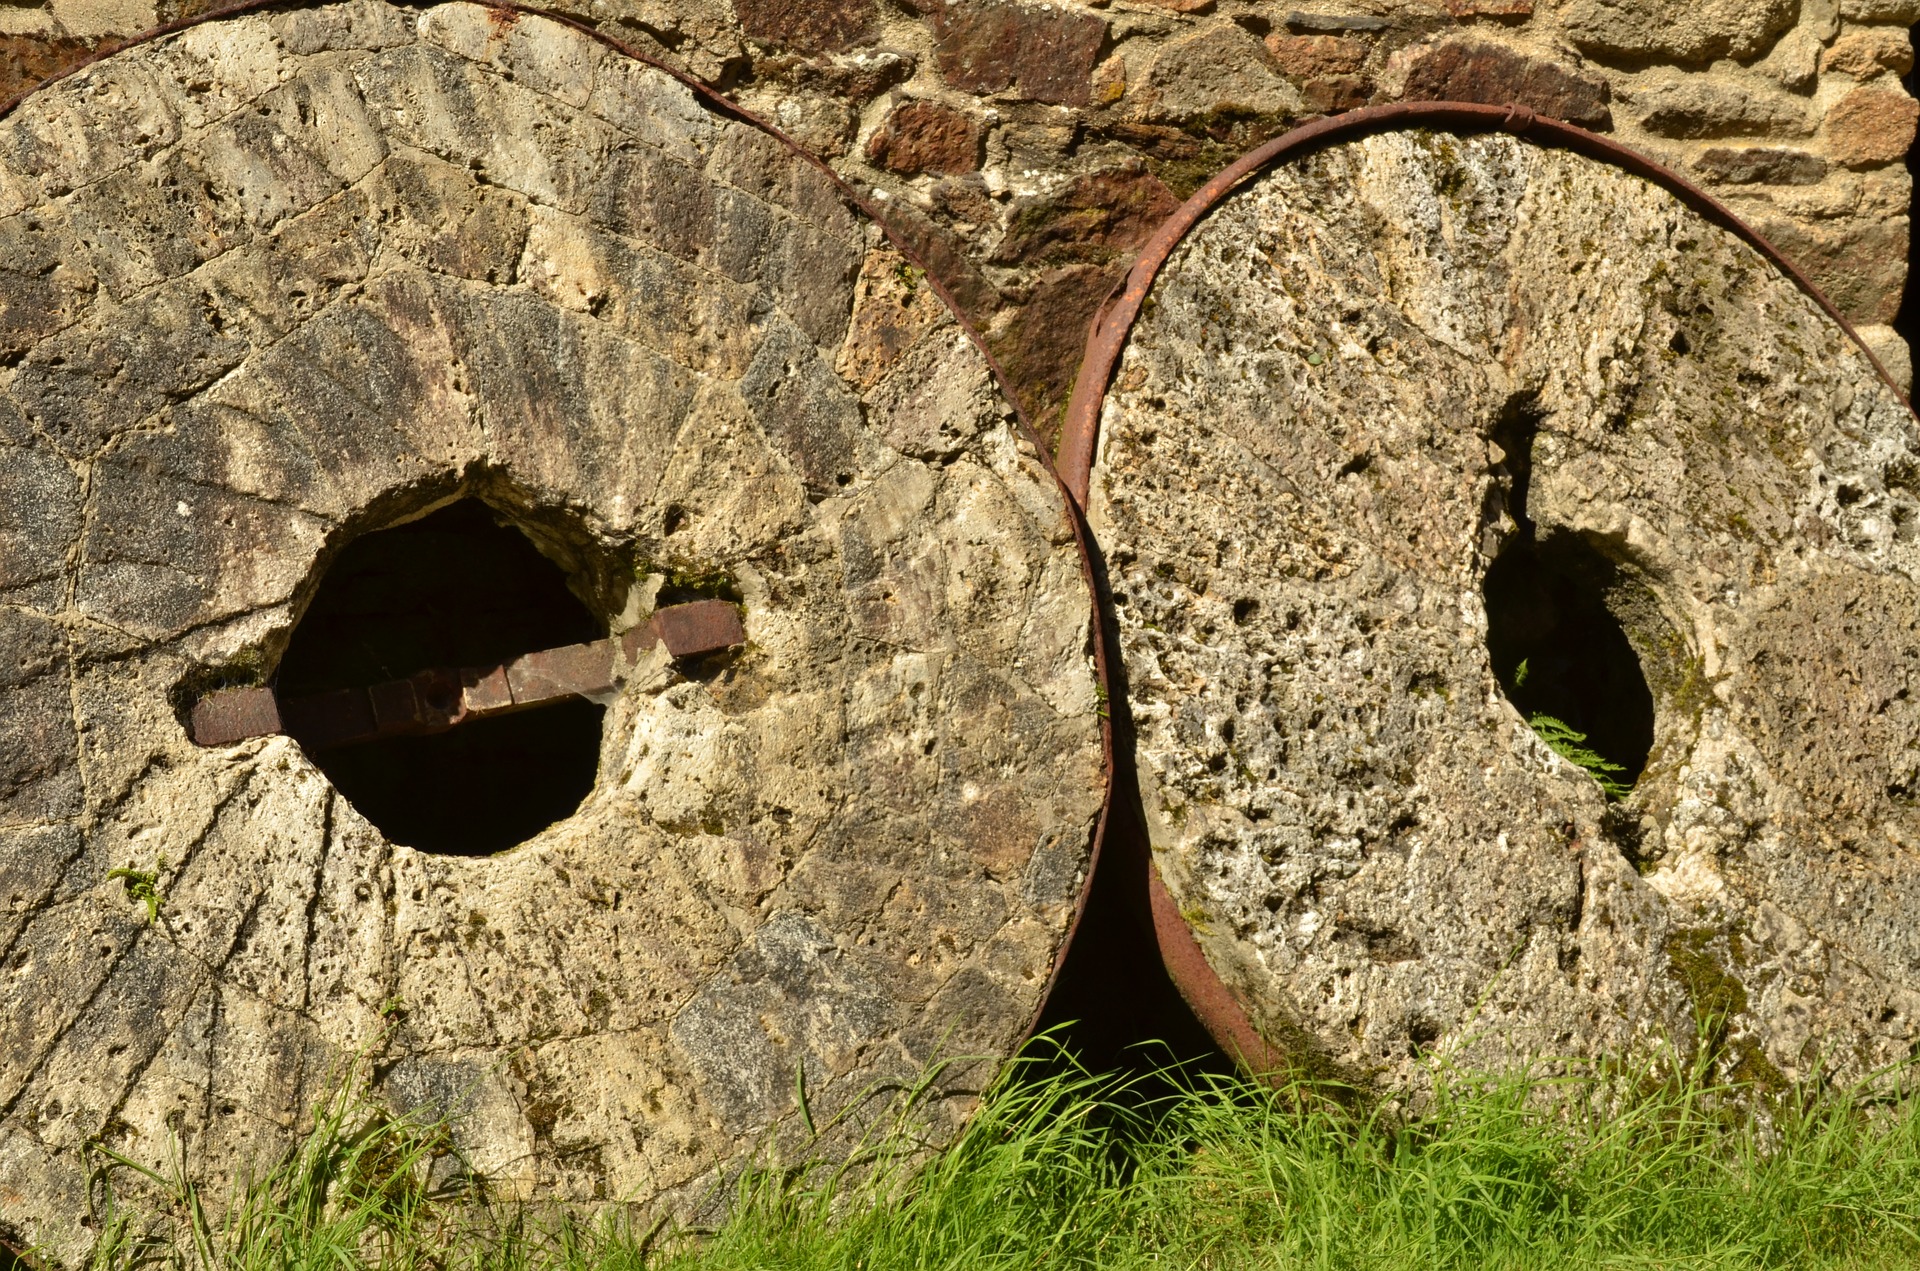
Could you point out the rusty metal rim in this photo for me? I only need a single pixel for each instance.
(1219, 1010)
(721, 103)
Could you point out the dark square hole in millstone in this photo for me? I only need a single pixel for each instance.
(1561, 656)
(452, 589)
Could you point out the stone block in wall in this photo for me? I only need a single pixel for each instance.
(1760, 165)
(1866, 53)
(1040, 339)
(1490, 8)
(25, 60)
(925, 136)
(1333, 94)
(1694, 107)
(855, 78)
(1478, 71)
(1870, 127)
(1903, 12)
(1221, 71)
(1861, 263)
(1691, 34)
(94, 19)
(1041, 52)
(1091, 218)
(1308, 22)
(811, 26)
(1328, 69)
(1794, 62)
(1307, 57)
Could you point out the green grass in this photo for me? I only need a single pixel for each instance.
(1063, 1170)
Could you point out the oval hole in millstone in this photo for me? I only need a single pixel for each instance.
(454, 588)
(1559, 652)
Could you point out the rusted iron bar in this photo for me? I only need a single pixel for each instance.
(440, 698)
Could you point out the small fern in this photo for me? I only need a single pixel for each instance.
(1570, 744)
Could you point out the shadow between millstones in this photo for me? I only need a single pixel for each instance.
(1113, 1005)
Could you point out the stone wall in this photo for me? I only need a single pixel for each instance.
(1031, 147)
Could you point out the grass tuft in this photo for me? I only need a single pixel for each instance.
(1064, 1169)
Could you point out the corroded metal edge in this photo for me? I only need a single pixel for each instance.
(1219, 1010)
(1097, 649)
(440, 698)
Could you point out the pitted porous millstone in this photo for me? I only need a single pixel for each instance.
(1361, 380)
(275, 281)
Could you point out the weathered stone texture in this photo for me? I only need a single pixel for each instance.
(1042, 52)
(1691, 108)
(1304, 474)
(1693, 33)
(1866, 53)
(1479, 72)
(812, 26)
(1311, 56)
(926, 137)
(1869, 127)
(1761, 164)
(1220, 71)
(277, 281)
(1903, 12)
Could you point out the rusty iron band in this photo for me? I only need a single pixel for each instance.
(724, 105)
(1218, 1009)
(440, 698)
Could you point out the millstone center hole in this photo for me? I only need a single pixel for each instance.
(456, 588)
(1564, 660)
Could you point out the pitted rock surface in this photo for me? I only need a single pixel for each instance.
(276, 281)
(1301, 484)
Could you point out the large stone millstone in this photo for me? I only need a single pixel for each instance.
(277, 281)
(1363, 379)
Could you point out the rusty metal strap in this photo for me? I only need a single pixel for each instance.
(440, 698)
(1108, 335)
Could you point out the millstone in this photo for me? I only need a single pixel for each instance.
(1425, 449)
(282, 287)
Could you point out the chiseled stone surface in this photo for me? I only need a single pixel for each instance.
(1299, 493)
(273, 282)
